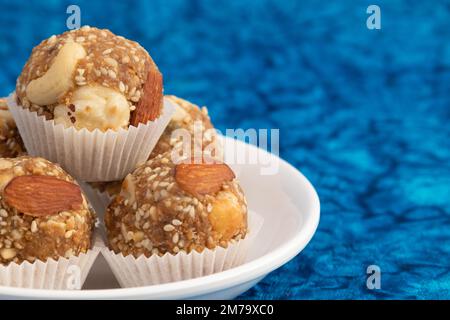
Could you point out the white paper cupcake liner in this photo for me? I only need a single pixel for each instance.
(89, 155)
(143, 271)
(62, 274)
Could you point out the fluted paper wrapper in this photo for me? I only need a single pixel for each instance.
(143, 271)
(89, 155)
(62, 274)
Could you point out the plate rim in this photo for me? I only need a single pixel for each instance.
(199, 286)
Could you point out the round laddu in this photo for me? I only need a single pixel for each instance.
(11, 144)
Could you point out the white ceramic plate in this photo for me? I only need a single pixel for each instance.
(286, 200)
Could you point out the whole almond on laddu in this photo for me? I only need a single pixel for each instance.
(42, 195)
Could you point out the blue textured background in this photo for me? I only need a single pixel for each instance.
(364, 114)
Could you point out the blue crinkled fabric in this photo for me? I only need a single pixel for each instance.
(364, 114)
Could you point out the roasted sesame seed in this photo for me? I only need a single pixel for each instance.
(34, 226)
(192, 212)
(121, 87)
(112, 74)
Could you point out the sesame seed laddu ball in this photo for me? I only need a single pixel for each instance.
(43, 213)
(164, 207)
(11, 144)
(91, 78)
